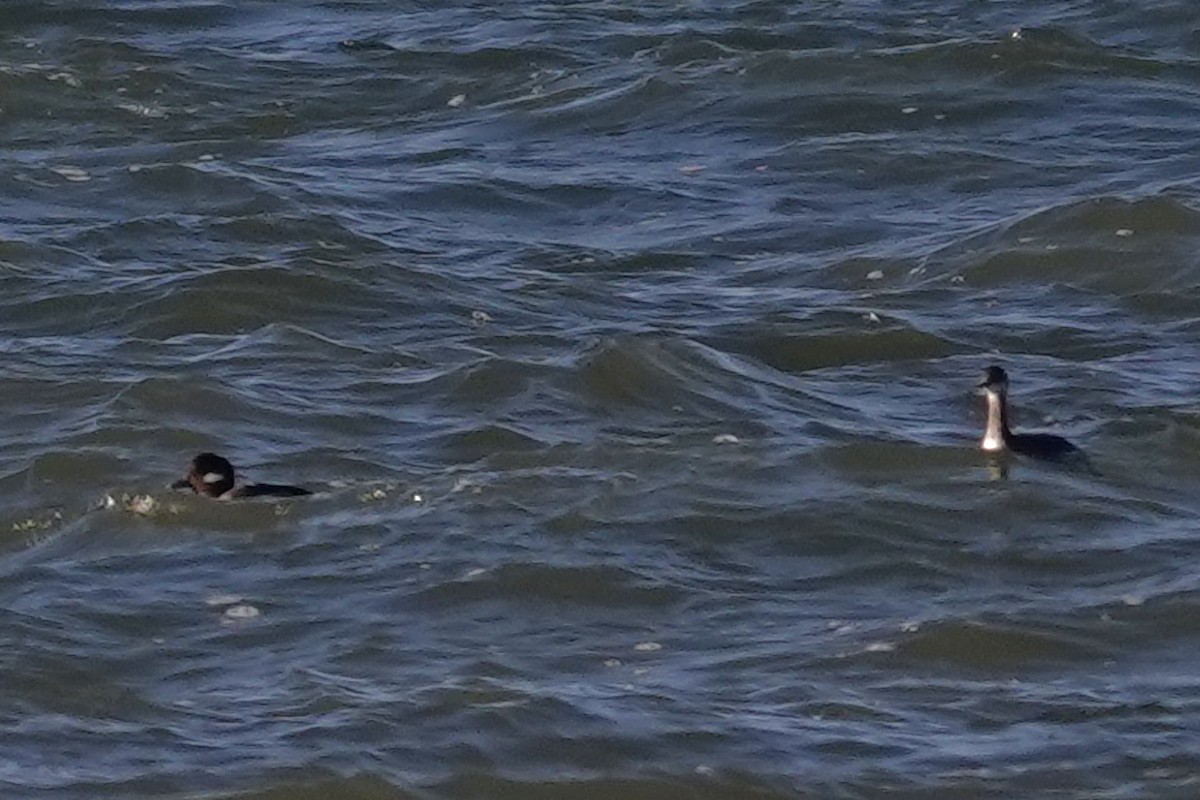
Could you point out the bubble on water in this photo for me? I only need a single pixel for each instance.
(612, 663)
(725, 438)
(875, 275)
(457, 100)
(705, 770)
(939, 117)
(908, 110)
(480, 317)
(223, 600)
(1132, 600)
(418, 498)
(647, 647)
(880, 647)
(1124, 232)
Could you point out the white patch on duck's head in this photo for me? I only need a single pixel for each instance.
(213, 477)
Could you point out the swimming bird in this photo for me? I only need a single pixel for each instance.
(213, 476)
(998, 437)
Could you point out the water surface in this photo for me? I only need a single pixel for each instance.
(630, 350)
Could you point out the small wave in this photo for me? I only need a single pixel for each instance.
(998, 646)
(593, 586)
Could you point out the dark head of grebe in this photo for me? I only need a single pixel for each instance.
(213, 476)
(998, 437)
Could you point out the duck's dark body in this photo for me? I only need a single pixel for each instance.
(1041, 445)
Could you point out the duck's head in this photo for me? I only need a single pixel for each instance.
(994, 380)
(209, 475)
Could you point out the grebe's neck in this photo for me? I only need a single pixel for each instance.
(995, 436)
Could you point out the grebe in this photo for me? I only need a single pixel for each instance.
(998, 437)
(213, 476)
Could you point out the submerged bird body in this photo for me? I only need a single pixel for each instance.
(213, 476)
(998, 436)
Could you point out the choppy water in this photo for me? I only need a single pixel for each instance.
(630, 346)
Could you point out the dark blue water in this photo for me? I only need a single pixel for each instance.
(629, 349)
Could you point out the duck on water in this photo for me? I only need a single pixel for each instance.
(998, 436)
(212, 476)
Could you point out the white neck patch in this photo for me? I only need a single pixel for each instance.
(213, 477)
(993, 435)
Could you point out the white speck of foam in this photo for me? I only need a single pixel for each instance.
(143, 504)
(1124, 232)
(67, 78)
(138, 109)
(908, 110)
(725, 438)
(880, 647)
(457, 100)
(241, 612)
(647, 647)
(73, 174)
(875, 275)
(223, 600)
